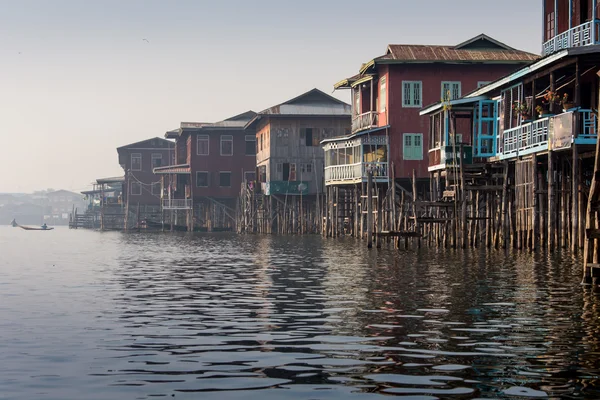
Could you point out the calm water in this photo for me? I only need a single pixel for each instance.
(89, 315)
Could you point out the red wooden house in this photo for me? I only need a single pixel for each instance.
(138, 160)
(569, 23)
(211, 162)
(388, 93)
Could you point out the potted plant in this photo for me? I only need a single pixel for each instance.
(522, 109)
(566, 103)
(539, 110)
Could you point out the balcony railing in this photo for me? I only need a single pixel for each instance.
(177, 204)
(364, 121)
(588, 121)
(341, 173)
(581, 35)
(357, 172)
(528, 136)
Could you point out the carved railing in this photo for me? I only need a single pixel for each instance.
(364, 121)
(582, 35)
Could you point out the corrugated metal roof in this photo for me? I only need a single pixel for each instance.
(313, 102)
(428, 53)
(479, 49)
(168, 143)
(116, 179)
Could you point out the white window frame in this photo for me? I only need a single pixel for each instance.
(207, 179)
(481, 84)
(203, 138)
(250, 138)
(136, 155)
(412, 103)
(412, 136)
(223, 139)
(451, 85)
(156, 156)
(230, 176)
(136, 184)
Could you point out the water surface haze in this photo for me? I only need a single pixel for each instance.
(111, 315)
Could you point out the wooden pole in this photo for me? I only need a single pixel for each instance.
(357, 210)
(393, 200)
(370, 209)
(551, 211)
(505, 206)
(463, 200)
(128, 195)
(535, 213)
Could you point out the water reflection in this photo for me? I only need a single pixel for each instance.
(289, 317)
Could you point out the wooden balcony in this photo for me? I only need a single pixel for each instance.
(177, 204)
(356, 173)
(554, 132)
(442, 157)
(582, 35)
(364, 121)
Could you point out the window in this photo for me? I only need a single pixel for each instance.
(226, 145)
(261, 142)
(225, 179)
(136, 162)
(156, 188)
(250, 145)
(249, 176)
(309, 168)
(292, 172)
(156, 160)
(306, 136)
(413, 146)
(482, 83)
(136, 188)
(262, 173)
(412, 94)
(382, 94)
(450, 90)
(283, 137)
(201, 179)
(550, 26)
(202, 142)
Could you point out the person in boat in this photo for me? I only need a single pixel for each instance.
(44, 226)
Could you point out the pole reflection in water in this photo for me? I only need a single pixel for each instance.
(112, 315)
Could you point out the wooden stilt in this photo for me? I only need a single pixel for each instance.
(370, 210)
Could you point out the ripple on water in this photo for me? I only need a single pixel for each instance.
(145, 315)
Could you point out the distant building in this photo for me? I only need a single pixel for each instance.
(288, 136)
(138, 160)
(60, 205)
(290, 162)
(212, 160)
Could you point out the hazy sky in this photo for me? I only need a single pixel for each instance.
(77, 79)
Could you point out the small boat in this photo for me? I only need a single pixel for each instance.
(29, 228)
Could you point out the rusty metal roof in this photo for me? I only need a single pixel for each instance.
(479, 49)
(428, 53)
